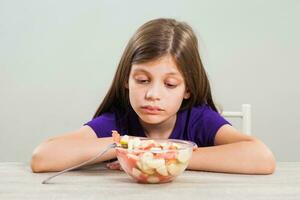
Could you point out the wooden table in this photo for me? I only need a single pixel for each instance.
(96, 182)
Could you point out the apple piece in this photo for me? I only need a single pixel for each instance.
(183, 155)
(139, 165)
(147, 170)
(155, 163)
(147, 144)
(153, 179)
(136, 173)
(146, 156)
(130, 145)
(136, 142)
(175, 168)
(162, 170)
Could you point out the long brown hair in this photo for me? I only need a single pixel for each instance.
(154, 39)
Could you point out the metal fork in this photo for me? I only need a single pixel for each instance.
(113, 145)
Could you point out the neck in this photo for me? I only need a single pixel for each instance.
(162, 130)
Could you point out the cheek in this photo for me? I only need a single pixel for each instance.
(179, 96)
(178, 93)
(135, 93)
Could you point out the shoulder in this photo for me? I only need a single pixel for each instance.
(202, 111)
(204, 123)
(204, 115)
(108, 117)
(197, 113)
(103, 124)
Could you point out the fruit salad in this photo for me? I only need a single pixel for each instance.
(152, 161)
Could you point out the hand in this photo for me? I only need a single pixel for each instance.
(195, 147)
(114, 165)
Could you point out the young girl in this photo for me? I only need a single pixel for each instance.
(160, 90)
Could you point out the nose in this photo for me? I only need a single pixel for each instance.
(153, 92)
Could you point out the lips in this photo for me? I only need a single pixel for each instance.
(152, 110)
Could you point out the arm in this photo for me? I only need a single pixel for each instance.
(64, 151)
(234, 153)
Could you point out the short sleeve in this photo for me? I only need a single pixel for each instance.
(103, 124)
(205, 123)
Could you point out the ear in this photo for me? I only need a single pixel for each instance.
(187, 94)
(126, 85)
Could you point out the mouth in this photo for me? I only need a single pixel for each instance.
(152, 109)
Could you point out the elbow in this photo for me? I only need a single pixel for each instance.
(265, 162)
(268, 163)
(271, 164)
(36, 163)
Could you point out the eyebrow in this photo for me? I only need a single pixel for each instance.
(142, 70)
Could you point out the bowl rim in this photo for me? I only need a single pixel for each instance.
(190, 144)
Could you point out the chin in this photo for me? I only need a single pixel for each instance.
(151, 119)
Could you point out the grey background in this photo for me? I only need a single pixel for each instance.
(57, 60)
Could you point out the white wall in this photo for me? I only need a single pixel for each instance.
(57, 59)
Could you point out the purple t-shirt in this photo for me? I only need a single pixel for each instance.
(199, 124)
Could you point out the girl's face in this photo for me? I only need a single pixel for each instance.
(156, 90)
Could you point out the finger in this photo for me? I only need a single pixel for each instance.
(116, 136)
(113, 165)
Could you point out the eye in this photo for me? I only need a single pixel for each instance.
(142, 81)
(169, 85)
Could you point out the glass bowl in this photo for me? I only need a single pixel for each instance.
(155, 160)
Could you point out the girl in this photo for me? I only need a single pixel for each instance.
(160, 90)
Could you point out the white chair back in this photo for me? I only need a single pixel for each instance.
(245, 115)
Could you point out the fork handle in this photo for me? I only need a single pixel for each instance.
(113, 145)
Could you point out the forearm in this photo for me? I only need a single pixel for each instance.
(247, 157)
(59, 154)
